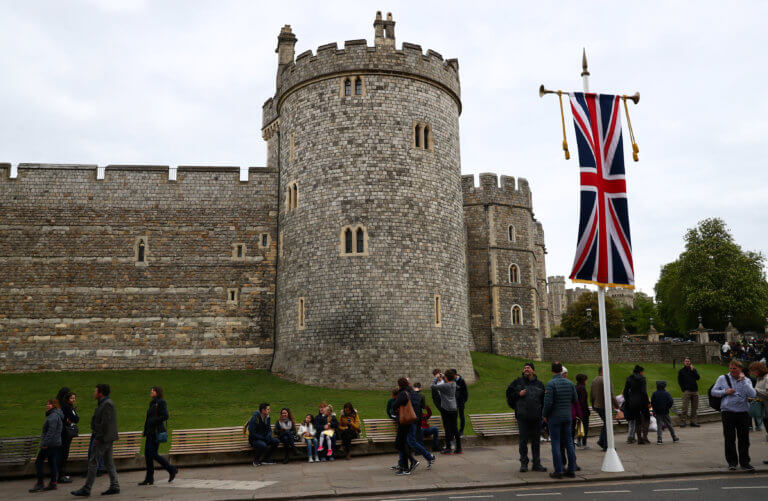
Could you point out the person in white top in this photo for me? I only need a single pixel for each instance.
(307, 432)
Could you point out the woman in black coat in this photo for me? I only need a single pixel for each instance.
(636, 405)
(157, 415)
(68, 432)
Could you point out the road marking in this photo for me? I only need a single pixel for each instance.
(604, 492)
(677, 490)
(469, 497)
(236, 485)
(747, 487)
(540, 494)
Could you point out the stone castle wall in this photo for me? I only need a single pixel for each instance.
(370, 317)
(587, 351)
(490, 209)
(72, 295)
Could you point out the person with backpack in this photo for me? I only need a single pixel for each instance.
(526, 396)
(733, 391)
(260, 436)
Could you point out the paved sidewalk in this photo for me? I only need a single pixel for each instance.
(699, 452)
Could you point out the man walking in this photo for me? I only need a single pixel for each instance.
(735, 389)
(526, 395)
(559, 395)
(104, 434)
(687, 378)
(462, 395)
(260, 436)
(597, 399)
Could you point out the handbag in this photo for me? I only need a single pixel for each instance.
(162, 437)
(407, 415)
(580, 428)
(71, 431)
(756, 409)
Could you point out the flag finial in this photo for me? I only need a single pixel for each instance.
(585, 71)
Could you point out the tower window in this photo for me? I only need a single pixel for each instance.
(358, 87)
(347, 87)
(302, 313)
(426, 136)
(422, 136)
(141, 251)
(517, 315)
(238, 252)
(233, 296)
(264, 240)
(354, 240)
(438, 311)
(292, 196)
(514, 274)
(512, 233)
(352, 86)
(418, 136)
(291, 148)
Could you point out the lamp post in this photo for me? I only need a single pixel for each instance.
(589, 321)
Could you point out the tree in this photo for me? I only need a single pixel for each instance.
(575, 323)
(637, 318)
(713, 277)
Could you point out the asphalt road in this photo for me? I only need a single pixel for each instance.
(721, 487)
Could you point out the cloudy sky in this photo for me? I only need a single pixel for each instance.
(182, 82)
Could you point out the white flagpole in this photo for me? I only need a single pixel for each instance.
(611, 461)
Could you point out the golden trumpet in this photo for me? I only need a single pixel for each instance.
(635, 98)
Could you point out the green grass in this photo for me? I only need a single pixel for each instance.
(202, 399)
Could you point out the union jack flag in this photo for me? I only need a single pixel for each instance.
(604, 251)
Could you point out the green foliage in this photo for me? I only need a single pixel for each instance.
(637, 318)
(575, 322)
(713, 277)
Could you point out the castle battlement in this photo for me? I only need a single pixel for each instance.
(100, 172)
(358, 58)
(556, 279)
(490, 192)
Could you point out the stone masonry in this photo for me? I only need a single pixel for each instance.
(359, 254)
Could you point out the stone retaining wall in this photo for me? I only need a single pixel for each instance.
(587, 351)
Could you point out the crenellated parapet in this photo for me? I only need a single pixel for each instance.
(489, 191)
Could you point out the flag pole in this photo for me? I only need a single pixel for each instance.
(611, 461)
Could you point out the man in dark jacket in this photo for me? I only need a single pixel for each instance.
(559, 396)
(104, 429)
(662, 402)
(462, 395)
(260, 436)
(526, 395)
(687, 378)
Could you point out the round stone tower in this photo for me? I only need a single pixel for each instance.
(371, 281)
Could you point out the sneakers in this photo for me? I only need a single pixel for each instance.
(396, 467)
(570, 474)
(748, 467)
(448, 452)
(82, 492)
(148, 482)
(37, 488)
(255, 463)
(310, 460)
(330, 458)
(556, 475)
(523, 468)
(172, 475)
(403, 472)
(658, 442)
(430, 462)
(415, 465)
(695, 425)
(111, 491)
(52, 486)
(66, 479)
(732, 467)
(675, 439)
(268, 461)
(538, 467)
(631, 440)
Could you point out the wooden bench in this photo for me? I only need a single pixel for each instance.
(18, 450)
(494, 425)
(385, 430)
(128, 446)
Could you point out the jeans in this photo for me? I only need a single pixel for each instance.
(451, 430)
(530, 432)
(631, 423)
(664, 420)
(287, 439)
(401, 444)
(434, 432)
(151, 455)
(311, 447)
(264, 448)
(690, 399)
(602, 442)
(61, 465)
(90, 453)
(460, 409)
(414, 444)
(560, 433)
(102, 451)
(52, 455)
(736, 425)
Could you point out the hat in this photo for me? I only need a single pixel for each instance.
(529, 364)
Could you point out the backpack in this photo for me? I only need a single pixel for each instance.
(714, 401)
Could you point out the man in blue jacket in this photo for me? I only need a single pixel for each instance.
(559, 395)
(260, 436)
(735, 390)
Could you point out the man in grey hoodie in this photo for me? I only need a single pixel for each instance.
(447, 392)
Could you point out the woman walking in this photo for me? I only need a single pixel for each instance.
(154, 430)
(581, 393)
(349, 427)
(50, 441)
(407, 463)
(285, 428)
(69, 431)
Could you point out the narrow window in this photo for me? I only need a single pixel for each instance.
(418, 136)
(295, 195)
(264, 240)
(360, 241)
(302, 313)
(514, 274)
(438, 311)
(512, 233)
(347, 87)
(426, 137)
(348, 241)
(291, 147)
(231, 295)
(358, 86)
(240, 251)
(288, 202)
(140, 255)
(517, 315)
(232, 298)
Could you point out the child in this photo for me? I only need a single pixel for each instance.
(661, 401)
(327, 432)
(307, 432)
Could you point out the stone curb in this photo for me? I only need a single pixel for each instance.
(490, 485)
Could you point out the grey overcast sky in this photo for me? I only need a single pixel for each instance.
(182, 82)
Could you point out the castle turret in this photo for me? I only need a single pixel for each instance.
(286, 41)
(372, 272)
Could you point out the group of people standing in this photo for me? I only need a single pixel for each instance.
(61, 427)
(319, 433)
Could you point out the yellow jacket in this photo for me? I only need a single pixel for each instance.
(347, 422)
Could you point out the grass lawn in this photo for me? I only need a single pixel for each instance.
(203, 399)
